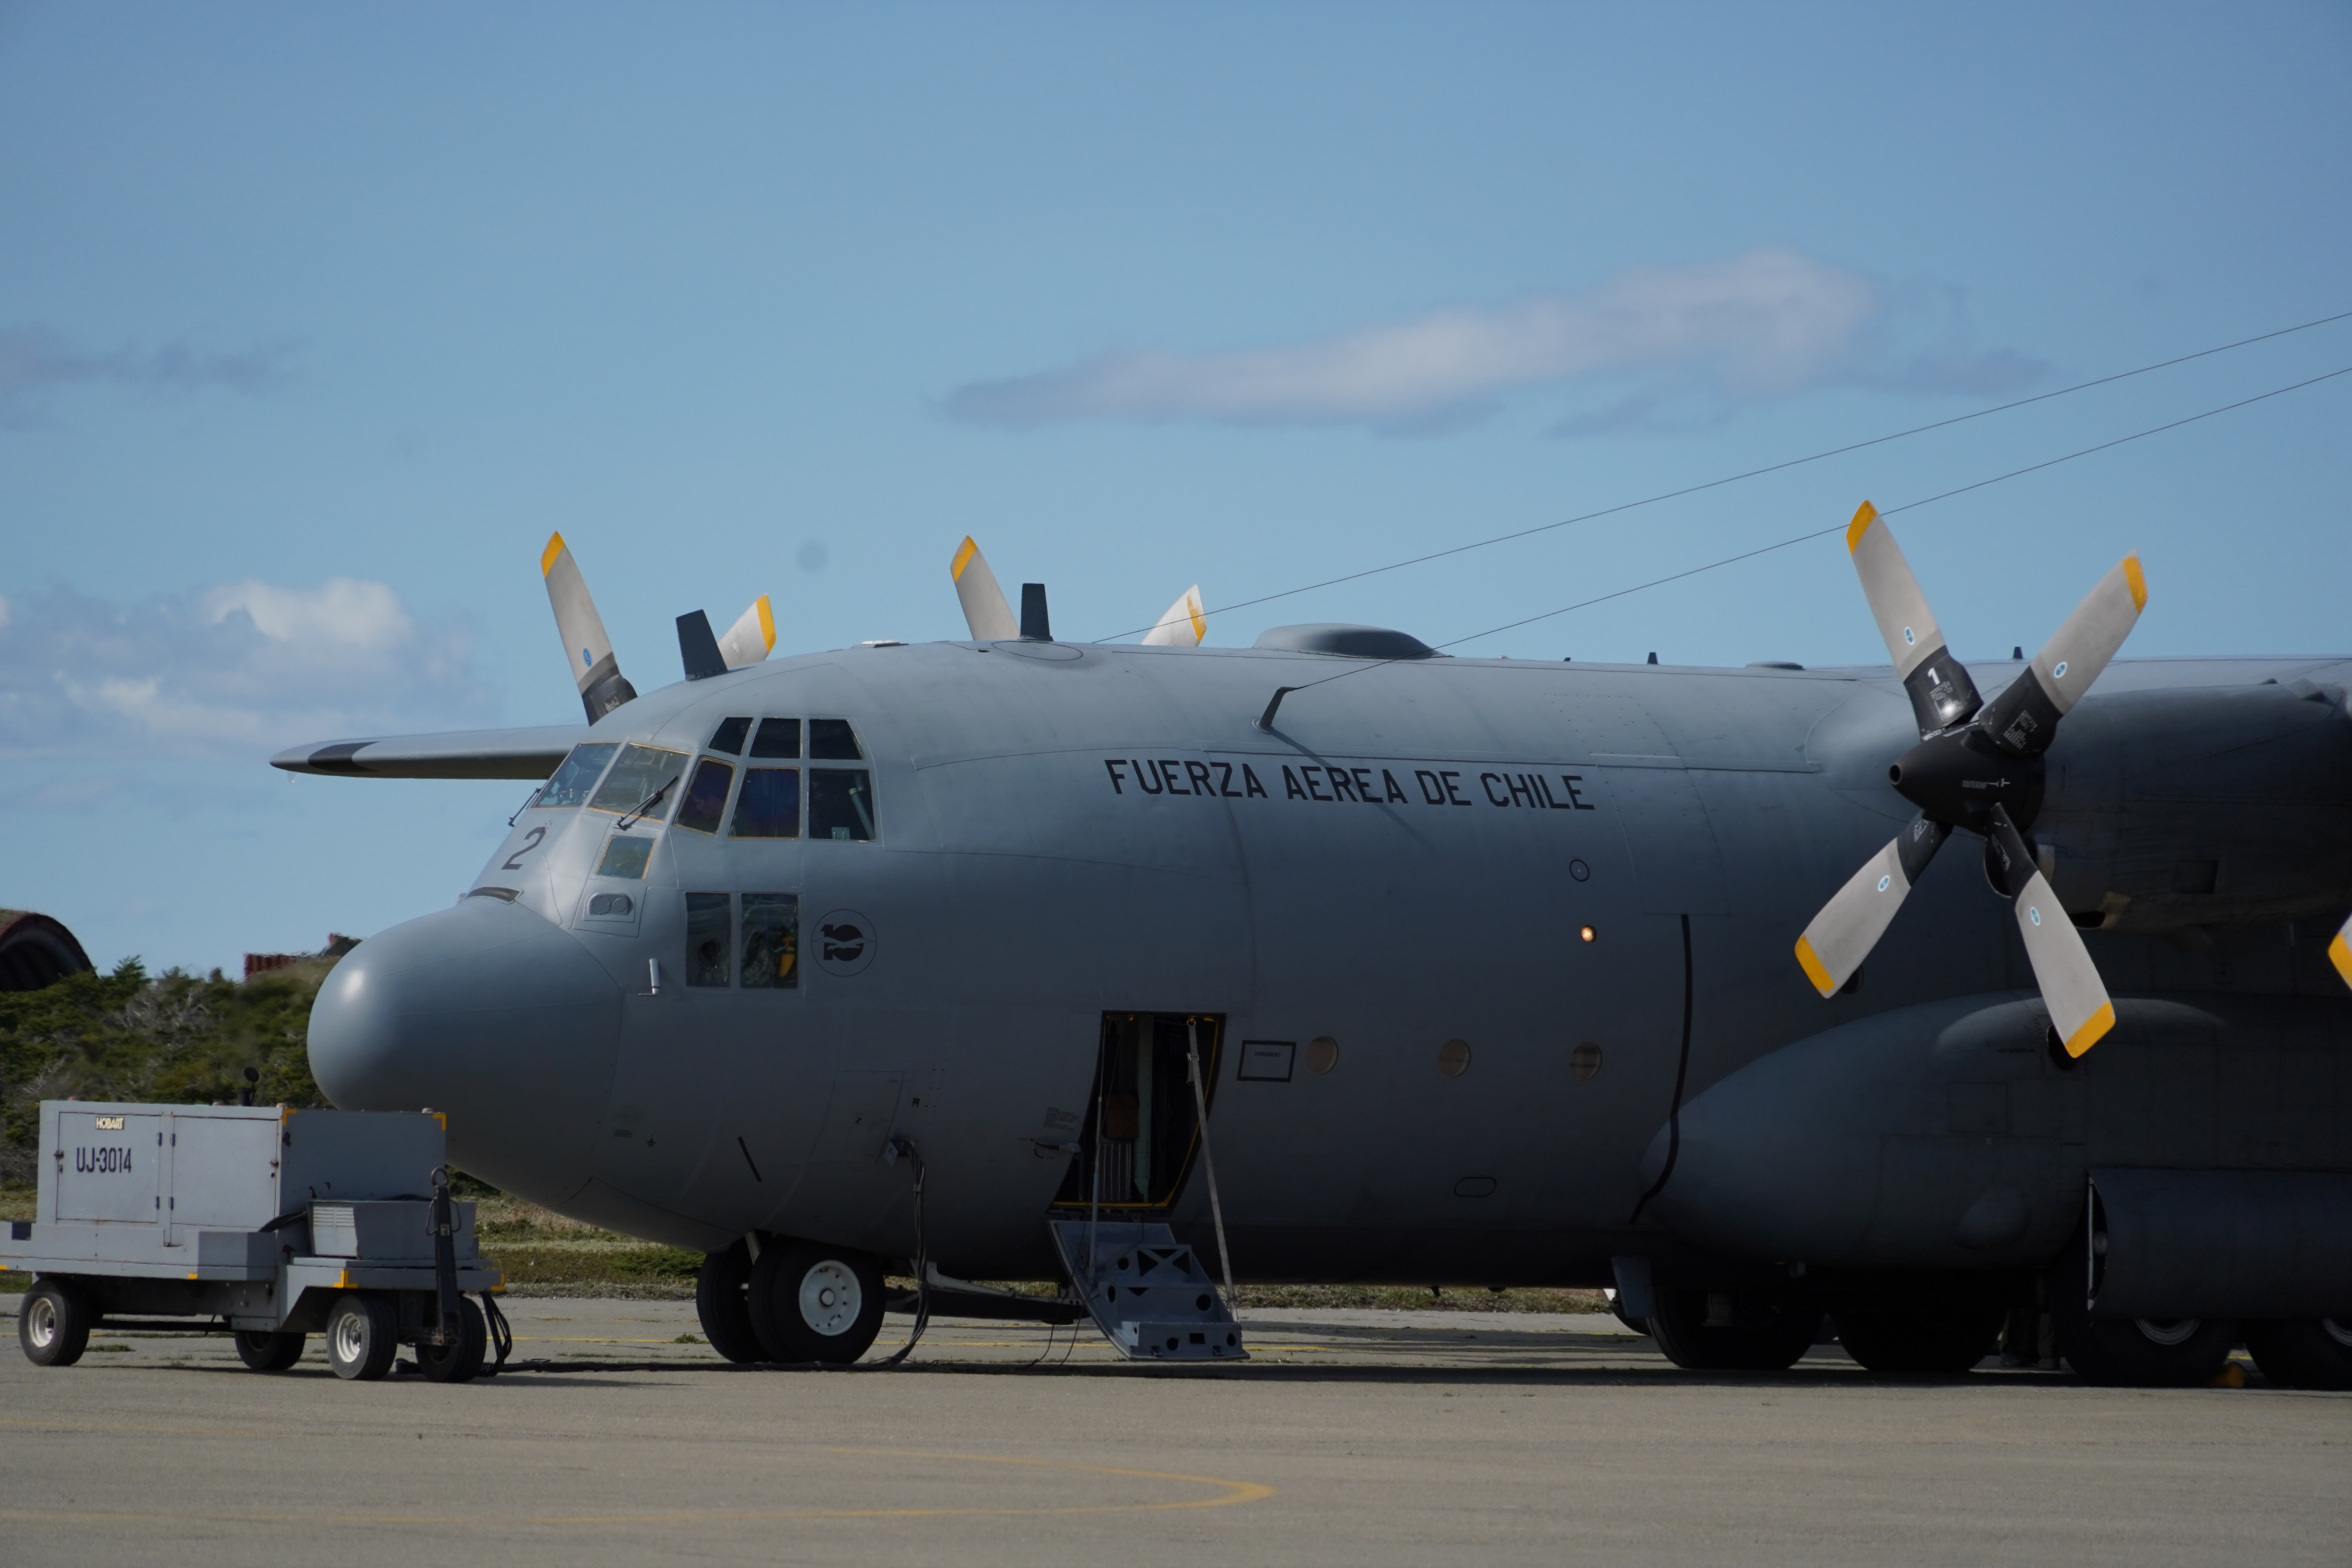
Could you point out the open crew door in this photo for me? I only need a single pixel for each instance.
(1146, 1290)
(1142, 1133)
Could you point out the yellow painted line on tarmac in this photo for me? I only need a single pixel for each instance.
(1227, 1493)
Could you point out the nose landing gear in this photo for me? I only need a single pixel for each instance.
(801, 1303)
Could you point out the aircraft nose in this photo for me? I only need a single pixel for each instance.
(491, 1015)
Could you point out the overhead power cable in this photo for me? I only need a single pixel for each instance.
(1906, 506)
(1769, 468)
(1841, 528)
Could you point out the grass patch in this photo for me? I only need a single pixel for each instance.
(546, 1254)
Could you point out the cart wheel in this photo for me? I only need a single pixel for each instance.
(53, 1325)
(460, 1361)
(361, 1337)
(266, 1352)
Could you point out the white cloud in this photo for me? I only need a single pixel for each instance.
(1764, 324)
(230, 672)
(343, 611)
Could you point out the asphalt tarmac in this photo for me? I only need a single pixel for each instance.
(1350, 1438)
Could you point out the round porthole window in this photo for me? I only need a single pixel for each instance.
(1584, 1061)
(1454, 1057)
(1322, 1054)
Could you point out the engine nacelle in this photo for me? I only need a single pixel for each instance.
(1946, 1136)
(2178, 808)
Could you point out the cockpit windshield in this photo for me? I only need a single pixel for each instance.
(643, 772)
(578, 775)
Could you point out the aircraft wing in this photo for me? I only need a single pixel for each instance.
(525, 754)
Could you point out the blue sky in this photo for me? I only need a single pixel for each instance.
(315, 321)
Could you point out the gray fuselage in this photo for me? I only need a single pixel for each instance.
(1590, 876)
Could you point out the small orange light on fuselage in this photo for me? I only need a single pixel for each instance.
(1586, 933)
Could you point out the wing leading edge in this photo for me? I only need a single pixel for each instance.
(530, 752)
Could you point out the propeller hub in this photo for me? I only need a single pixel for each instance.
(1959, 776)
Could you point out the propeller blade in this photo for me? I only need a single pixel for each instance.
(2024, 718)
(1186, 624)
(752, 637)
(586, 649)
(2340, 953)
(1858, 914)
(1942, 694)
(2071, 987)
(984, 609)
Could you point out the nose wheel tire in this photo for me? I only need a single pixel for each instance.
(1939, 1343)
(266, 1352)
(460, 1360)
(53, 1325)
(722, 1299)
(810, 1303)
(2310, 1352)
(363, 1337)
(1758, 1335)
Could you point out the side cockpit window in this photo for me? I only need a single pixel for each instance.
(771, 949)
(706, 797)
(728, 736)
(772, 942)
(841, 804)
(710, 945)
(778, 738)
(832, 740)
(841, 800)
(577, 775)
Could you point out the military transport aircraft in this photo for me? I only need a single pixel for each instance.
(1488, 964)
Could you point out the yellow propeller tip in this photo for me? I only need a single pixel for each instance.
(965, 552)
(547, 556)
(2095, 1030)
(1811, 962)
(1860, 526)
(2339, 954)
(2138, 583)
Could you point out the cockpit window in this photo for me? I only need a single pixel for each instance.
(709, 958)
(841, 804)
(625, 857)
(769, 805)
(777, 737)
(728, 736)
(772, 942)
(833, 738)
(642, 773)
(578, 775)
(706, 797)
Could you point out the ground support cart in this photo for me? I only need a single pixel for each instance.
(272, 1223)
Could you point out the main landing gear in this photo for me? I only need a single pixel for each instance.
(1722, 1331)
(2311, 1352)
(798, 1303)
(1940, 1341)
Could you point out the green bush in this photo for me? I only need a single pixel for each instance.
(176, 1038)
